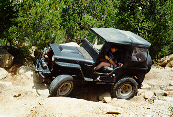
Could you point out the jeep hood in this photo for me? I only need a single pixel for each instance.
(68, 52)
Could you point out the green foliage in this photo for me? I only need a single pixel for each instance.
(23, 53)
(38, 23)
(171, 110)
(151, 19)
(7, 14)
(158, 14)
(80, 15)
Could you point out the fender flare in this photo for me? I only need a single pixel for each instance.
(65, 65)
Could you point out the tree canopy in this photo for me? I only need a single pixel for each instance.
(40, 22)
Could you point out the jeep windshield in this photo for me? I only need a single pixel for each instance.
(95, 41)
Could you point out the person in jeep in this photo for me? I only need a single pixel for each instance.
(111, 59)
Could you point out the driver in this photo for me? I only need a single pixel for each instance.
(111, 59)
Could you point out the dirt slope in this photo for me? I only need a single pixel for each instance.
(24, 95)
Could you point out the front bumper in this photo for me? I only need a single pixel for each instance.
(40, 70)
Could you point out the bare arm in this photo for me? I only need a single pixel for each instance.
(111, 61)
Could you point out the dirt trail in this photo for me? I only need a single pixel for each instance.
(24, 95)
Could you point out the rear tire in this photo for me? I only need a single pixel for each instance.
(125, 88)
(61, 86)
(149, 64)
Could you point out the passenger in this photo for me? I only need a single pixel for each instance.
(111, 59)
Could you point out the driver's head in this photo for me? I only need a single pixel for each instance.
(114, 48)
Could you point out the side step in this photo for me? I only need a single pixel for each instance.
(88, 79)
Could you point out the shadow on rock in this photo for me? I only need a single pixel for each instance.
(90, 91)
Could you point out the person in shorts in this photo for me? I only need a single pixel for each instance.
(111, 59)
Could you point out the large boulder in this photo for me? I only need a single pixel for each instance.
(6, 59)
(170, 64)
(3, 73)
(165, 60)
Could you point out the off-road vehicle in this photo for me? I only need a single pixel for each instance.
(64, 65)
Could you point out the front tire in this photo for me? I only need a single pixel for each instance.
(61, 86)
(125, 88)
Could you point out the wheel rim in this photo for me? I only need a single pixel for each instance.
(126, 89)
(64, 88)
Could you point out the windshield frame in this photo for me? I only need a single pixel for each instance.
(96, 42)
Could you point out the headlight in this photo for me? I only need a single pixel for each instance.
(53, 58)
(44, 64)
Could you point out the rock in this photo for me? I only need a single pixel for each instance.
(41, 89)
(8, 76)
(106, 97)
(168, 88)
(148, 94)
(3, 73)
(25, 70)
(170, 64)
(32, 50)
(168, 99)
(6, 59)
(164, 61)
(171, 83)
(145, 86)
(165, 58)
(159, 102)
(148, 116)
(170, 93)
(65, 106)
(119, 102)
(43, 92)
(141, 92)
(18, 95)
(138, 99)
(160, 93)
(7, 84)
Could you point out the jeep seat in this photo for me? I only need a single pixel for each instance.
(106, 69)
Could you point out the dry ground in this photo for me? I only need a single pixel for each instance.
(23, 95)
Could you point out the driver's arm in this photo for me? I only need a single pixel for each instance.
(111, 61)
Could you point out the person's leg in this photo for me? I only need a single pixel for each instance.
(102, 64)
